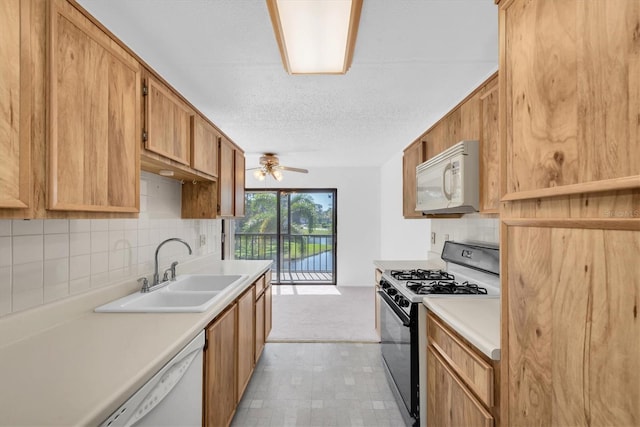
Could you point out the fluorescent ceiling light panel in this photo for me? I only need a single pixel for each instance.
(315, 36)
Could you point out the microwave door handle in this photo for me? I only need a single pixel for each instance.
(444, 182)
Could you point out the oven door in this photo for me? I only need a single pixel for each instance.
(395, 337)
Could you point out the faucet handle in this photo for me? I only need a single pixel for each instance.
(173, 270)
(145, 284)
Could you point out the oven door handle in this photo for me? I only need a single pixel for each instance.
(404, 317)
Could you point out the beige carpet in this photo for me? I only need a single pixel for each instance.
(323, 313)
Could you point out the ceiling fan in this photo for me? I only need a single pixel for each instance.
(270, 165)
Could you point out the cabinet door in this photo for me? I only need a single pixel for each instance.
(490, 159)
(204, 146)
(246, 340)
(260, 330)
(94, 120)
(220, 370)
(15, 88)
(168, 123)
(268, 319)
(413, 156)
(238, 195)
(449, 403)
(574, 328)
(226, 178)
(571, 109)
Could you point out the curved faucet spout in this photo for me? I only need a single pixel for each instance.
(156, 277)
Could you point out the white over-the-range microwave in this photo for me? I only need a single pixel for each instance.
(450, 182)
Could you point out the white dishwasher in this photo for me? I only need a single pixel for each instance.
(173, 397)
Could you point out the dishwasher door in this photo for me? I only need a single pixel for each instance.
(173, 397)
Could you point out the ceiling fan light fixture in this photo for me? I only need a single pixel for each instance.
(315, 37)
(259, 174)
(277, 175)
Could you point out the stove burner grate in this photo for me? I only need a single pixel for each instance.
(420, 274)
(446, 287)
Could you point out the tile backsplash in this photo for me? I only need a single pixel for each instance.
(471, 227)
(47, 260)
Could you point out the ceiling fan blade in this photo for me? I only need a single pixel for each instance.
(290, 169)
(252, 169)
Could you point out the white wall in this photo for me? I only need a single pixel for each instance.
(358, 215)
(469, 228)
(401, 239)
(47, 260)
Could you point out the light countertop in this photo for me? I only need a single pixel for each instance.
(64, 364)
(475, 319)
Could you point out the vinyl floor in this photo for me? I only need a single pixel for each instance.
(319, 384)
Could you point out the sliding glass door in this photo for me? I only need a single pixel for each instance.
(294, 228)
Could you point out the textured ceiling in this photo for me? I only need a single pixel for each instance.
(413, 61)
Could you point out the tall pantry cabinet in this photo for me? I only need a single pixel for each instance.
(570, 211)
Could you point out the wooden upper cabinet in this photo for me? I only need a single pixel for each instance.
(204, 146)
(489, 143)
(571, 76)
(239, 183)
(168, 123)
(231, 180)
(413, 156)
(15, 115)
(94, 99)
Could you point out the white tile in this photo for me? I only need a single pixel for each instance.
(27, 249)
(116, 224)
(144, 203)
(116, 240)
(98, 280)
(5, 251)
(56, 246)
(144, 187)
(131, 238)
(99, 241)
(5, 227)
(143, 237)
(27, 227)
(79, 285)
(79, 243)
(56, 226)
(56, 279)
(79, 225)
(99, 262)
(5, 290)
(79, 267)
(130, 224)
(130, 258)
(116, 260)
(99, 225)
(117, 275)
(27, 289)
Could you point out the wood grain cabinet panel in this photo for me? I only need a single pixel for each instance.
(204, 146)
(220, 370)
(572, 96)
(246, 340)
(226, 179)
(260, 327)
(268, 313)
(449, 403)
(574, 327)
(238, 184)
(15, 114)
(413, 156)
(168, 123)
(93, 117)
(489, 143)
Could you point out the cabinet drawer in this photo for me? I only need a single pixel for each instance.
(260, 285)
(470, 367)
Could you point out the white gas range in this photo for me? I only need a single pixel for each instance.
(472, 271)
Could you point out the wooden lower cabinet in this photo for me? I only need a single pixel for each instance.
(268, 316)
(246, 340)
(260, 330)
(449, 402)
(220, 370)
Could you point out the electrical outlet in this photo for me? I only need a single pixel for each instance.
(203, 239)
(446, 237)
(433, 237)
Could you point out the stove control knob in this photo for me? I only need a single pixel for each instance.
(392, 291)
(384, 284)
(403, 302)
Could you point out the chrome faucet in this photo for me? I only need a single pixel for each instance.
(156, 276)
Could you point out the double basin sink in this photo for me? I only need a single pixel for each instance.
(189, 293)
